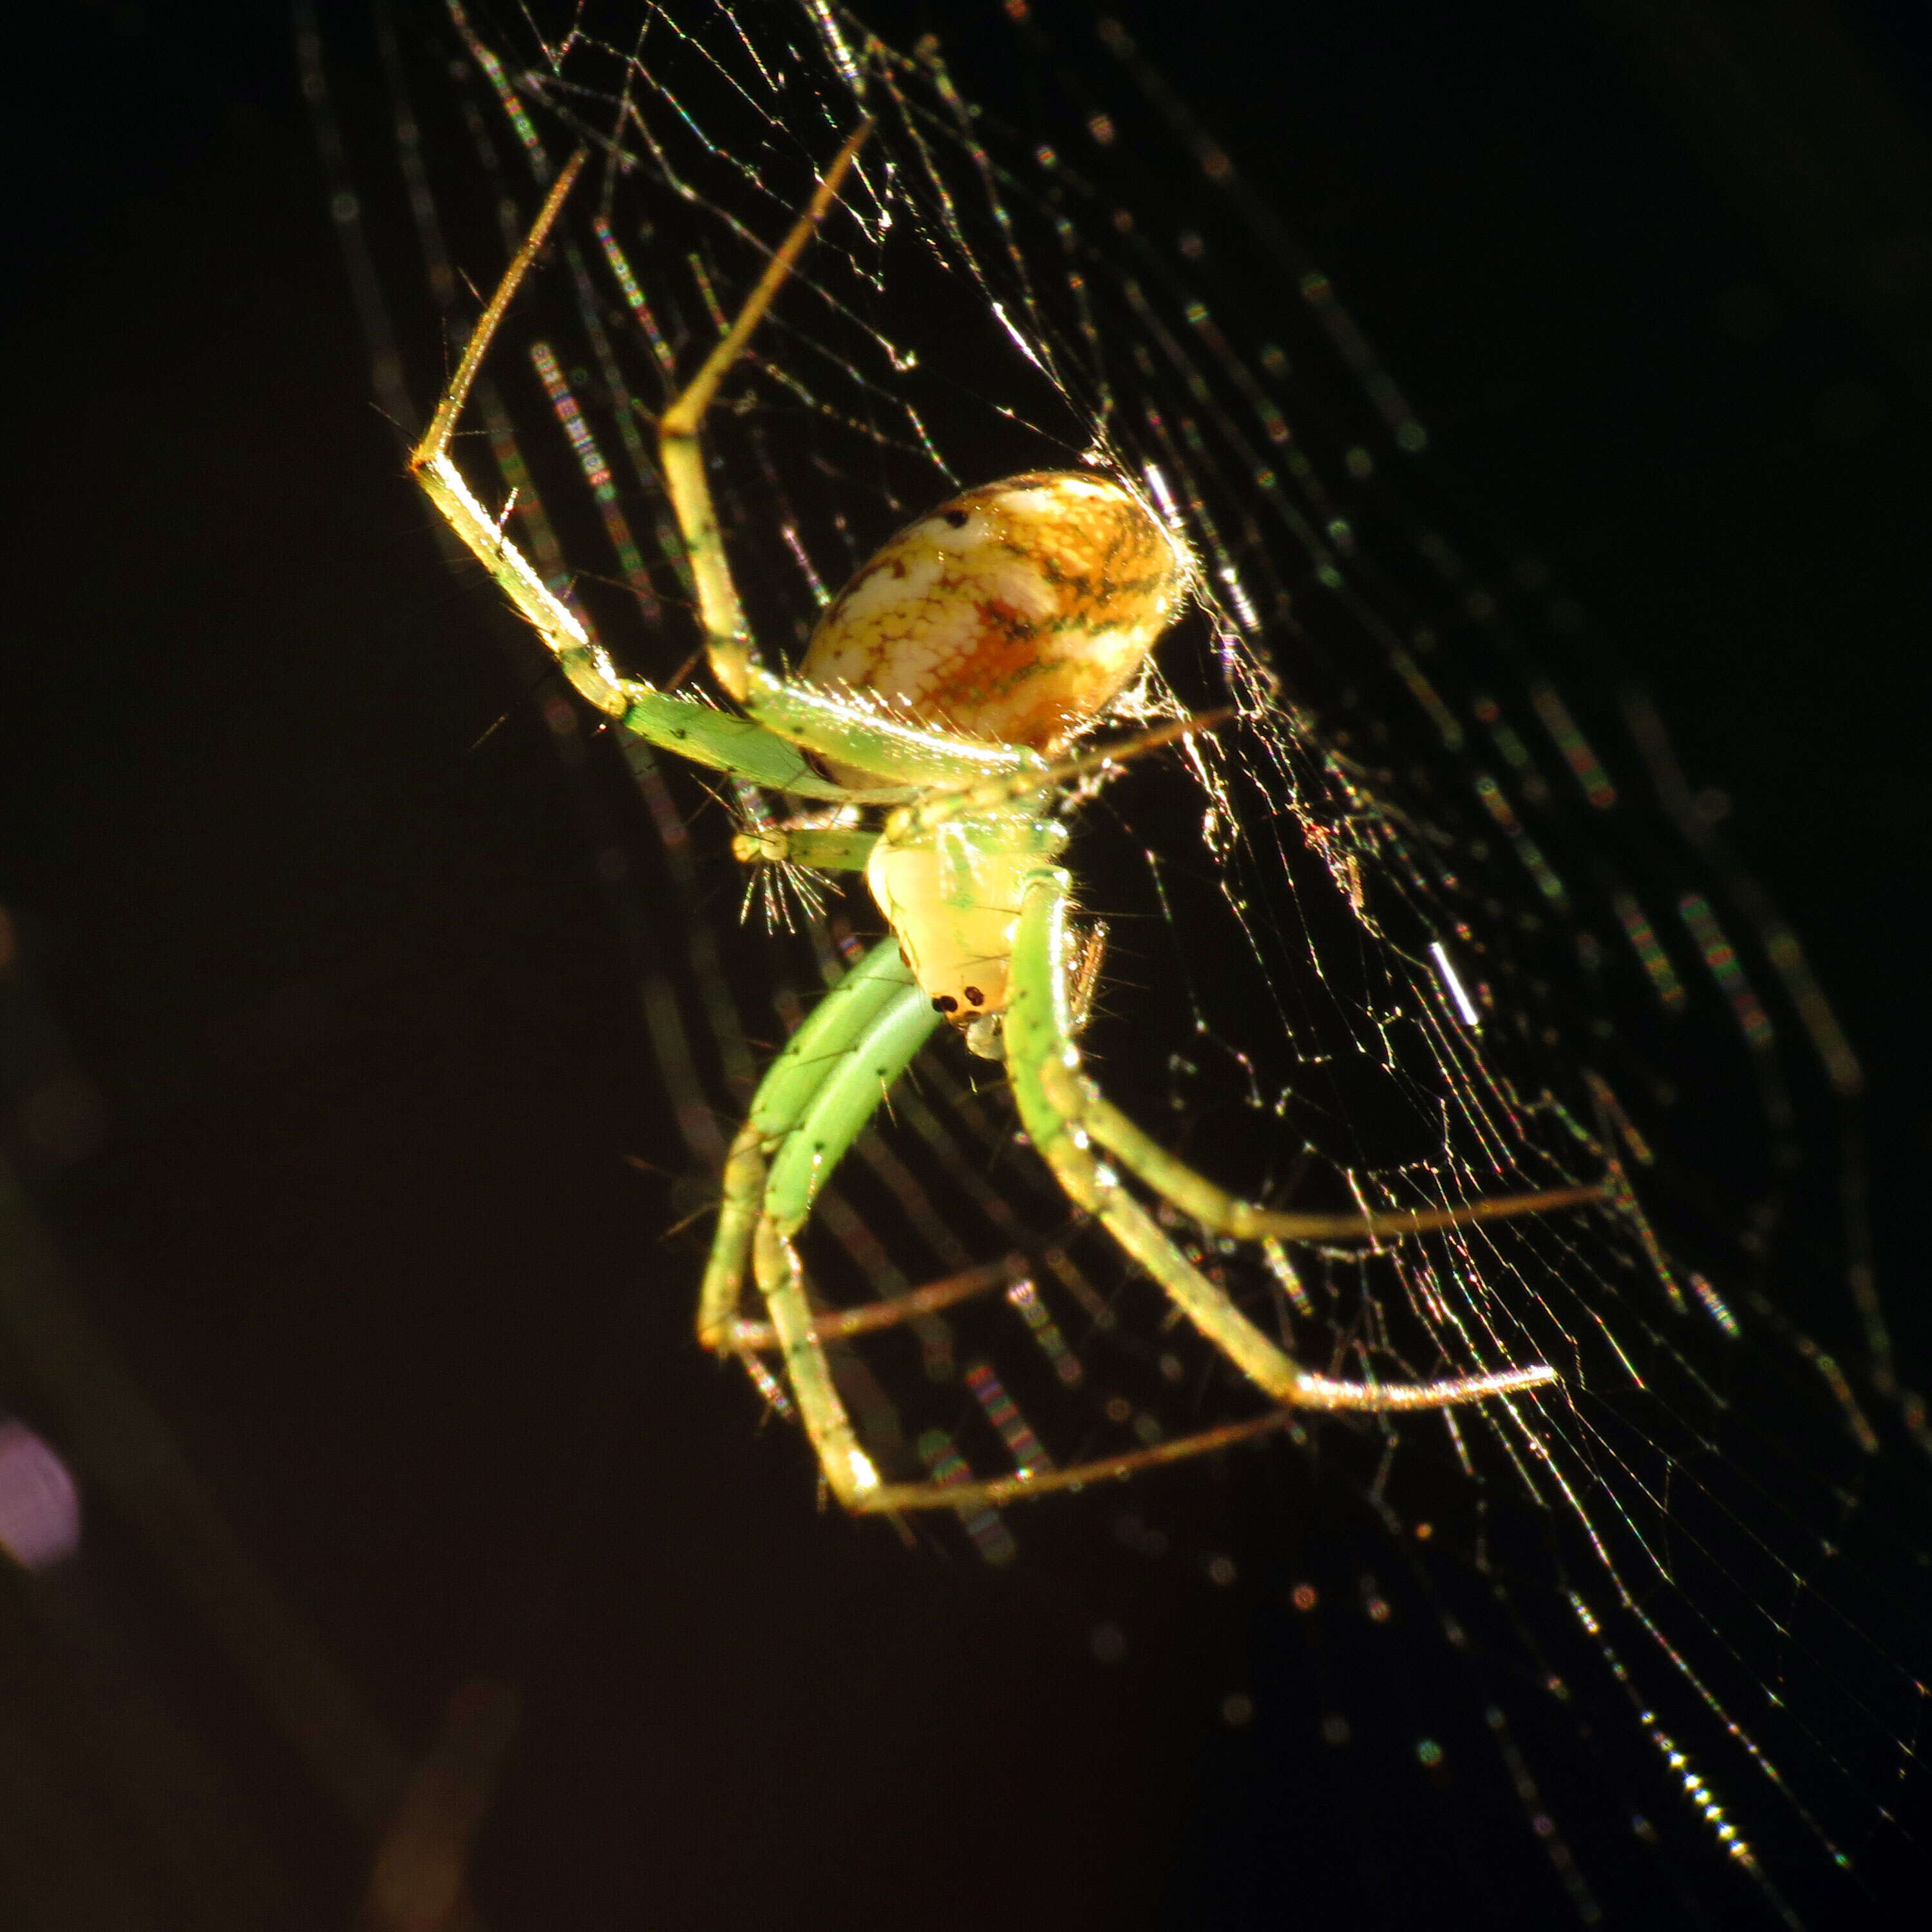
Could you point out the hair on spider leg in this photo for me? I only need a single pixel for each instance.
(786, 860)
(1085, 978)
(1103, 758)
(788, 897)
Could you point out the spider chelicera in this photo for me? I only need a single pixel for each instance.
(941, 692)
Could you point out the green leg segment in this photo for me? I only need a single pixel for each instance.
(897, 753)
(819, 1093)
(1045, 1064)
(1065, 1120)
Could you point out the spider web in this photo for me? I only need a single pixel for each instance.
(1435, 916)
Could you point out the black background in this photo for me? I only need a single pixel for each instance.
(356, 1062)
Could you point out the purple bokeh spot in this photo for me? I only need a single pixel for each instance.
(40, 1507)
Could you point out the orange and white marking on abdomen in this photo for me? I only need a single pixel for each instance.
(1014, 614)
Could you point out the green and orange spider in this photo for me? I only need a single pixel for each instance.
(942, 690)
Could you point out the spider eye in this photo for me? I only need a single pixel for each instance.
(973, 996)
(946, 1003)
(955, 518)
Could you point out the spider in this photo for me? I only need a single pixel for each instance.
(941, 691)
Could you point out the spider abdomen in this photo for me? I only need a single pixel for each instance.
(1014, 614)
(951, 895)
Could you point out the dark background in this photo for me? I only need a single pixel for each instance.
(324, 1058)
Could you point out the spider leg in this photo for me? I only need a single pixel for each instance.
(687, 725)
(826, 1065)
(966, 794)
(840, 1324)
(763, 749)
(814, 1101)
(726, 639)
(434, 468)
(811, 1149)
(810, 1106)
(841, 727)
(818, 848)
(1056, 1104)
(1193, 1192)
(1223, 1213)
